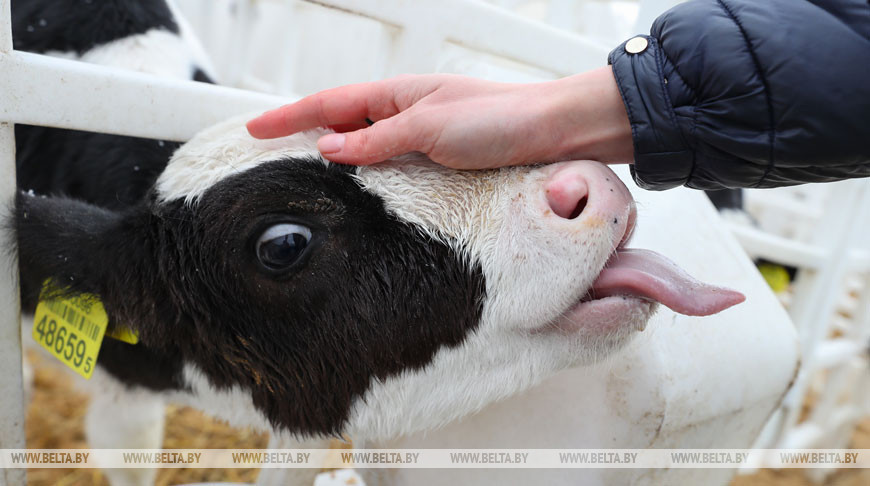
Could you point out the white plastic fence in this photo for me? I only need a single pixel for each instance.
(304, 46)
(820, 230)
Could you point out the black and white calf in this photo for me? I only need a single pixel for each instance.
(274, 289)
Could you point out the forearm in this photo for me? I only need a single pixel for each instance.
(589, 119)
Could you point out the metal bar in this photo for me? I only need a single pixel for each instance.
(76, 95)
(11, 386)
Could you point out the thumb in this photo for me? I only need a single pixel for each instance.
(386, 138)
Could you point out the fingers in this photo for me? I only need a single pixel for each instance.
(338, 106)
(381, 141)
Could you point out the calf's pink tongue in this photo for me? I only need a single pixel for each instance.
(645, 273)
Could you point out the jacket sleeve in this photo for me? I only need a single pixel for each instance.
(748, 93)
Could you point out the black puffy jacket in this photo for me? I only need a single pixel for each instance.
(749, 93)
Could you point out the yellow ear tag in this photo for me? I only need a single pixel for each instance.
(776, 276)
(71, 329)
(123, 333)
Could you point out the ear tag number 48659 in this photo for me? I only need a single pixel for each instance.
(72, 329)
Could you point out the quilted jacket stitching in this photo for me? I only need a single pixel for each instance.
(679, 74)
(672, 116)
(692, 142)
(757, 66)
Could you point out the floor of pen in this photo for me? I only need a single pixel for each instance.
(55, 419)
(56, 415)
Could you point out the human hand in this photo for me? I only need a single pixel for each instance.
(462, 122)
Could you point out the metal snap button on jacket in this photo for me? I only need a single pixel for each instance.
(636, 45)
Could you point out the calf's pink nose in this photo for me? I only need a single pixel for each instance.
(567, 193)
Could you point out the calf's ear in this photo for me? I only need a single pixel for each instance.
(65, 240)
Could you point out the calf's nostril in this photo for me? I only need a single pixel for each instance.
(567, 194)
(581, 205)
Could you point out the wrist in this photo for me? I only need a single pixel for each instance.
(590, 119)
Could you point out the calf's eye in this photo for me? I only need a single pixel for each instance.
(281, 245)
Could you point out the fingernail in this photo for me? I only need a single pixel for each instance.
(330, 144)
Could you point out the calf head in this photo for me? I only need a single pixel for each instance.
(328, 299)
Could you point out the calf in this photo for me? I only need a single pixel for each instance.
(274, 289)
